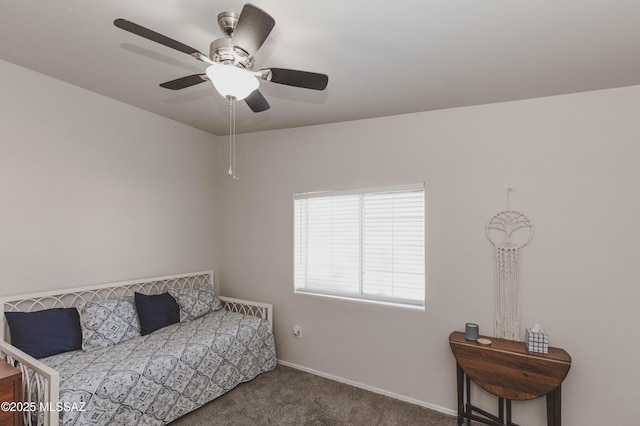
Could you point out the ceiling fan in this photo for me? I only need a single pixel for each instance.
(231, 58)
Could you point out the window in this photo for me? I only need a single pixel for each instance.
(361, 244)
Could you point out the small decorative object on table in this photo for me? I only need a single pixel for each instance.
(537, 340)
(471, 331)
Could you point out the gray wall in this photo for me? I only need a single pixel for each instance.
(95, 191)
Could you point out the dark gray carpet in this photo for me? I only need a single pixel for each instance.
(286, 396)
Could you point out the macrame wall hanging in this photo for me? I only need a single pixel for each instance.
(501, 231)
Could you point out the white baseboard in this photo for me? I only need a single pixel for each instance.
(370, 388)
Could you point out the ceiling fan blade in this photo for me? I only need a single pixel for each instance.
(253, 27)
(184, 82)
(257, 102)
(304, 79)
(154, 36)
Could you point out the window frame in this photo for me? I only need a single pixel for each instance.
(412, 303)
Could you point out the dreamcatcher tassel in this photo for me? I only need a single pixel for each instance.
(508, 293)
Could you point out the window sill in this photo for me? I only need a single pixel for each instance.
(417, 307)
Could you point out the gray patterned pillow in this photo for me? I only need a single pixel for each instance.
(106, 323)
(195, 302)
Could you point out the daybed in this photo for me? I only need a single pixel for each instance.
(143, 372)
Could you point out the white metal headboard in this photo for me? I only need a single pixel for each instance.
(73, 297)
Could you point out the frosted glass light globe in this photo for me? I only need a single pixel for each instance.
(231, 81)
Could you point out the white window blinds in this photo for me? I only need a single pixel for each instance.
(364, 244)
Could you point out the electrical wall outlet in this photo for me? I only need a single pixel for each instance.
(297, 330)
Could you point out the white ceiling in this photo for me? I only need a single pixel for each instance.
(401, 57)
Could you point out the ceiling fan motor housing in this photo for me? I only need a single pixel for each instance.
(224, 52)
(227, 22)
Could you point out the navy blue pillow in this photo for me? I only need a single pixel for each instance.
(155, 312)
(47, 332)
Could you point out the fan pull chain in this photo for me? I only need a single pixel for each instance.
(232, 138)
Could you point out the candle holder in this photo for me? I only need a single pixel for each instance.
(471, 331)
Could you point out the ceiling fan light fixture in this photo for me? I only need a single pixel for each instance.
(231, 81)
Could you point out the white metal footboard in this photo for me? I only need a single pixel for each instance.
(40, 383)
(247, 307)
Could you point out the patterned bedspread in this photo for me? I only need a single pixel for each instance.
(154, 379)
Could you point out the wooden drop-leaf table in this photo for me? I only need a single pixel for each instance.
(507, 370)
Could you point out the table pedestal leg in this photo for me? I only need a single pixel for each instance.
(553, 407)
(460, 386)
